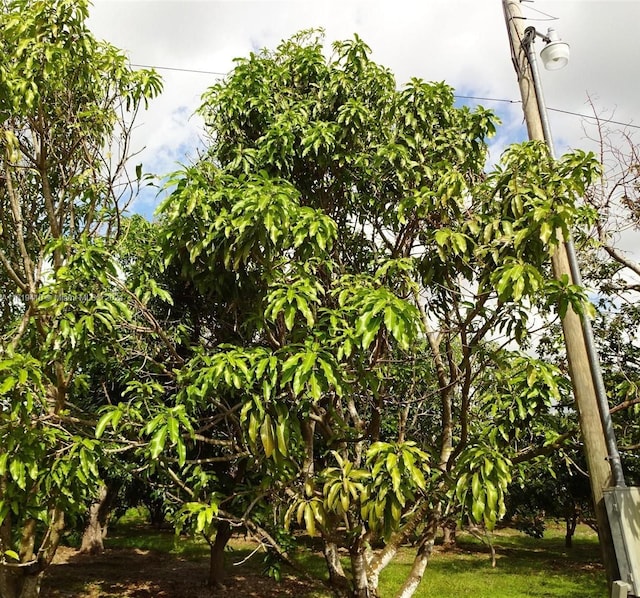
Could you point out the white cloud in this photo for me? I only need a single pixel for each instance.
(463, 42)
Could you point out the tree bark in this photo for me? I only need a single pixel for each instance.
(156, 513)
(23, 582)
(449, 533)
(216, 555)
(422, 558)
(95, 530)
(359, 568)
(338, 581)
(8, 582)
(386, 555)
(23, 579)
(571, 520)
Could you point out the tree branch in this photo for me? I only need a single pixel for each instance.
(542, 451)
(625, 405)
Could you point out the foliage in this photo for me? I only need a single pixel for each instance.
(357, 267)
(66, 100)
(612, 272)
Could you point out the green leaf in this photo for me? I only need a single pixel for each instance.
(492, 495)
(545, 232)
(182, 452)
(281, 436)
(475, 485)
(17, 471)
(174, 432)
(8, 383)
(266, 436)
(12, 554)
(158, 441)
(477, 509)
(309, 520)
(103, 422)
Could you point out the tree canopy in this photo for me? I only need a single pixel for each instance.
(326, 332)
(355, 270)
(66, 103)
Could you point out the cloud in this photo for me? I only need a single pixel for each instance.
(461, 42)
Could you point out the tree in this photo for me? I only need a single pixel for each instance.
(66, 107)
(558, 490)
(361, 271)
(613, 273)
(610, 270)
(131, 376)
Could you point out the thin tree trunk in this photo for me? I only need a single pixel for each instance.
(571, 519)
(387, 554)
(338, 581)
(216, 555)
(484, 537)
(359, 570)
(92, 535)
(420, 562)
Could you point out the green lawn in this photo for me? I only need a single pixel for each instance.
(526, 567)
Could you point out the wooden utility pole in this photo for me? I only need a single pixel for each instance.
(580, 366)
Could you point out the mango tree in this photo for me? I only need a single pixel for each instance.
(66, 108)
(364, 276)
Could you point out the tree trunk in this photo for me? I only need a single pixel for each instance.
(92, 535)
(97, 520)
(420, 562)
(338, 581)
(31, 585)
(20, 583)
(8, 582)
(388, 553)
(156, 513)
(571, 520)
(216, 555)
(359, 568)
(449, 533)
(23, 579)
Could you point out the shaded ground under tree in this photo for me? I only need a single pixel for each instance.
(136, 573)
(179, 568)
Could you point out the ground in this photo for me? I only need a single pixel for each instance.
(141, 562)
(135, 573)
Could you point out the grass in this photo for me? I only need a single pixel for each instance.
(526, 567)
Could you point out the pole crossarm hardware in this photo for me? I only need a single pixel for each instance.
(603, 459)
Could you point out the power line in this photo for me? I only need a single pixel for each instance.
(460, 97)
(172, 68)
(591, 117)
(487, 99)
(546, 14)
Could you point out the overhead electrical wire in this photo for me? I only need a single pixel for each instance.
(589, 116)
(546, 14)
(459, 97)
(172, 68)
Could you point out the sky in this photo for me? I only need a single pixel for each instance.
(461, 42)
